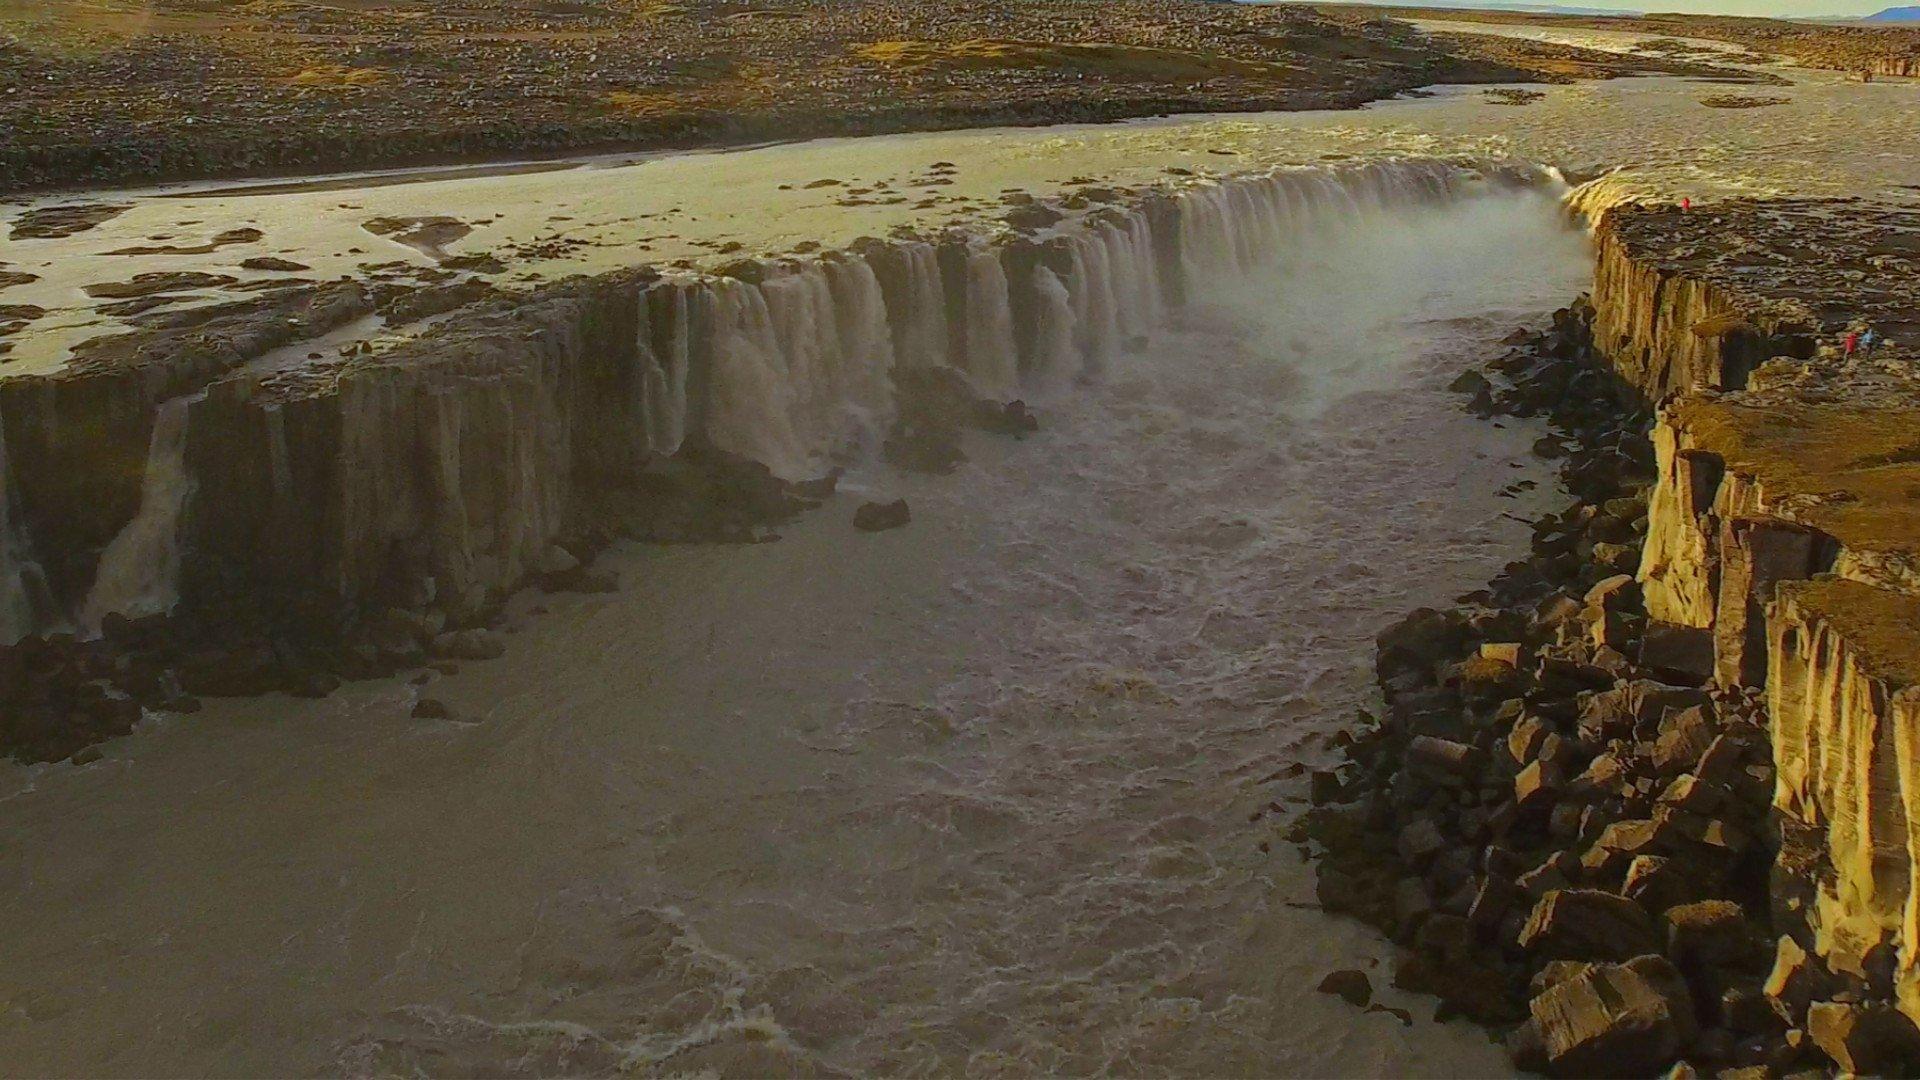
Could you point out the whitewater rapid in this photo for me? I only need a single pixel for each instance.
(997, 793)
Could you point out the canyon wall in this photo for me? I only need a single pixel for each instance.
(1783, 522)
(448, 465)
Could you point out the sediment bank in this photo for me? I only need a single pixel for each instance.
(1645, 800)
(346, 518)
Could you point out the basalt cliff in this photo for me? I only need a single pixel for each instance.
(1648, 800)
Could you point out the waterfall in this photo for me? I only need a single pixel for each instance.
(923, 334)
(1056, 358)
(663, 384)
(992, 362)
(16, 606)
(798, 354)
(139, 571)
(789, 364)
(800, 365)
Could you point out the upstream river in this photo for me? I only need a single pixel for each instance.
(1651, 137)
(1000, 792)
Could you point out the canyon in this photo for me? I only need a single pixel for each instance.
(511, 547)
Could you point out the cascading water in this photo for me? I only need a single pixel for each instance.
(800, 365)
(992, 361)
(139, 571)
(789, 365)
(16, 607)
(663, 404)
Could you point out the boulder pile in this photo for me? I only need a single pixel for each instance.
(1560, 818)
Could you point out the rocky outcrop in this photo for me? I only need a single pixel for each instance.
(1784, 523)
(1677, 738)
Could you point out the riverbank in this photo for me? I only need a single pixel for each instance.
(1642, 800)
(173, 90)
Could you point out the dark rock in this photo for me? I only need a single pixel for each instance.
(1657, 883)
(1684, 736)
(1629, 1019)
(473, 644)
(1419, 842)
(1797, 980)
(1711, 932)
(879, 517)
(431, 709)
(1350, 985)
(1682, 655)
(1443, 760)
(1864, 1039)
(1587, 924)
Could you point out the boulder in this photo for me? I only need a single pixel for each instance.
(431, 709)
(474, 644)
(1798, 978)
(1657, 883)
(1537, 787)
(1617, 713)
(1682, 655)
(1618, 845)
(879, 517)
(1684, 736)
(1419, 842)
(1708, 932)
(1525, 739)
(1350, 985)
(1629, 1019)
(1865, 1039)
(1443, 761)
(1587, 924)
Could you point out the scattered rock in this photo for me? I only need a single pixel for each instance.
(431, 709)
(1350, 985)
(879, 517)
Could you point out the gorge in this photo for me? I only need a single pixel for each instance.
(483, 676)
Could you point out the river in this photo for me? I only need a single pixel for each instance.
(1000, 792)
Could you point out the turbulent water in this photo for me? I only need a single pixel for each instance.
(996, 793)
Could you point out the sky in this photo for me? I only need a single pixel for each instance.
(1777, 8)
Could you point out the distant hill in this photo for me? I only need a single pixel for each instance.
(1895, 14)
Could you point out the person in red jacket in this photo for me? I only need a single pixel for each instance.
(1853, 343)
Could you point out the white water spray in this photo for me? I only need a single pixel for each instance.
(139, 571)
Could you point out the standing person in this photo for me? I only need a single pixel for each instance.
(1686, 202)
(1868, 340)
(1852, 343)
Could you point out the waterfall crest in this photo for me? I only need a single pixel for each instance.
(786, 362)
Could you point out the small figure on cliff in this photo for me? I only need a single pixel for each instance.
(1686, 202)
(1868, 340)
(1852, 344)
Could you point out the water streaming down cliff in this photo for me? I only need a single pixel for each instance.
(140, 571)
(16, 608)
(785, 362)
